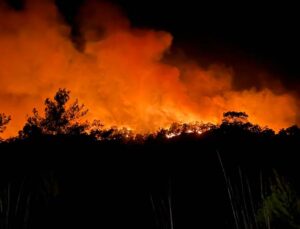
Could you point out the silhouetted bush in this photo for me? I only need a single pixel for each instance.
(281, 207)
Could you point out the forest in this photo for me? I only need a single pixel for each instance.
(61, 171)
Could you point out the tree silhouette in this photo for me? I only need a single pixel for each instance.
(59, 119)
(290, 131)
(238, 123)
(4, 120)
(233, 117)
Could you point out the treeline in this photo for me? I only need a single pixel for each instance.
(61, 119)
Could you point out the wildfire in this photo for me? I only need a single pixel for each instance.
(197, 128)
(120, 75)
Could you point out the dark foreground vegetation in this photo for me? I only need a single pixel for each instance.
(61, 172)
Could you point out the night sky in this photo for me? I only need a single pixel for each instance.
(242, 35)
(165, 129)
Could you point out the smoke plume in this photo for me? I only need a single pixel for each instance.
(120, 74)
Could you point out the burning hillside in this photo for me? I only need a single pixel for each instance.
(119, 72)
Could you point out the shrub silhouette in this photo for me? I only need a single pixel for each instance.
(281, 208)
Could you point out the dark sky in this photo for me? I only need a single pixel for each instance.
(236, 34)
(265, 33)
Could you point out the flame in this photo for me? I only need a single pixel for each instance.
(120, 74)
(196, 128)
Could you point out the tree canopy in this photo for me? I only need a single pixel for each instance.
(4, 120)
(58, 119)
(235, 117)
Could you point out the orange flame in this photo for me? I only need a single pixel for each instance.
(121, 75)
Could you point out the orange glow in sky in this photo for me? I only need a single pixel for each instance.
(120, 76)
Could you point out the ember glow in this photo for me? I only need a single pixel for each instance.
(177, 129)
(120, 74)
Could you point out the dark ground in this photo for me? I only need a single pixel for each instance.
(77, 181)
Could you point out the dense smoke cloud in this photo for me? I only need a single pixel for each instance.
(120, 74)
